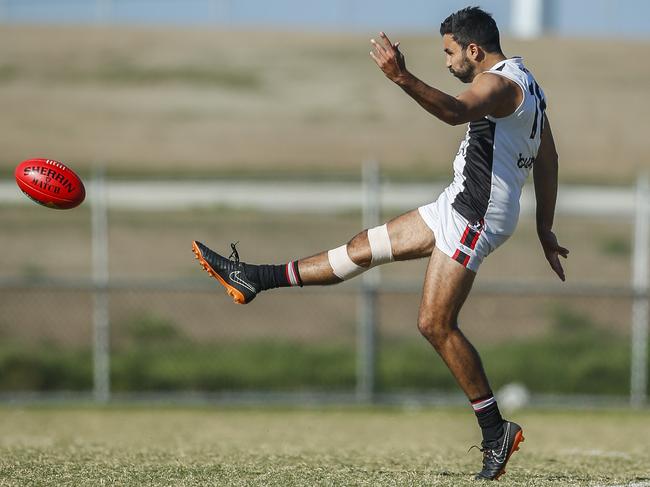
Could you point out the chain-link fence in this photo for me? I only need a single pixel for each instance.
(172, 330)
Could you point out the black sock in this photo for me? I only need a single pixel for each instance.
(272, 276)
(489, 417)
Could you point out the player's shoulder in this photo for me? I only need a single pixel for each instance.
(491, 78)
(494, 83)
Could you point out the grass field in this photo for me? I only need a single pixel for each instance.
(342, 447)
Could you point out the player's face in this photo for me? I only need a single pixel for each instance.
(457, 61)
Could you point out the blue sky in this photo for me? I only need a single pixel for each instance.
(568, 17)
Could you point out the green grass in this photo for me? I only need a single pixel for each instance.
(336, 447)
(124, 73)
(154, 354)
(7, 73)
(562, 364)
(616, 246)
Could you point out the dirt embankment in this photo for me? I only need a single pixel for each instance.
(204, 101)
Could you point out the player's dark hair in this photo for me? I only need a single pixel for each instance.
(472, 25)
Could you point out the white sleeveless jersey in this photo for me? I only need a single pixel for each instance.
(495, 158)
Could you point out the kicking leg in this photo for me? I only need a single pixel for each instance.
(410, 238)
(403, 238)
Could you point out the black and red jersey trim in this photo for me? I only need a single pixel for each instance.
(461, 257)
(471, 234)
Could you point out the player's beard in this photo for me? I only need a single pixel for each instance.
(466, 71)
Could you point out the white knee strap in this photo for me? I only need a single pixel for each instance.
(380, 245)
(343, 266)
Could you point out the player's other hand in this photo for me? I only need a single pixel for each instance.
(389, 58)
(553, 251)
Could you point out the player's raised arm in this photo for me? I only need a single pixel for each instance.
(488, 94)
(545, 177)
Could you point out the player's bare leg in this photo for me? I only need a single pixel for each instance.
(410, 238)
(446, 286)
(404, 237)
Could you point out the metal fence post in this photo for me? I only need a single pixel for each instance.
(101, 319)
(366, 333)
(641, 304)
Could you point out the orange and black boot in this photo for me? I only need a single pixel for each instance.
(229, 272)
(244, 281)
(497, 453)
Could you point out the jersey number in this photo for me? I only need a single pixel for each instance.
(540, 106)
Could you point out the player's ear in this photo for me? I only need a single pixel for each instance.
(474, 52)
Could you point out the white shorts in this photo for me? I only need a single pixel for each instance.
(466, 242)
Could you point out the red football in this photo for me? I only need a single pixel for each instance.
(50, 183)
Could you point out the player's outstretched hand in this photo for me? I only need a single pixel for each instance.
(389, 58)
(553, 251)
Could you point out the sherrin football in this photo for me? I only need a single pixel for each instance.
(50, 183)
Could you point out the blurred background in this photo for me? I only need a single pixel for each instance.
(267, 123)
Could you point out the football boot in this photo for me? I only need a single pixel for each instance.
(230, 272)
(496, 453)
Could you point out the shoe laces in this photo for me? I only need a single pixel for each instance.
(487, 452)
(474, 446)
(234, 255)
